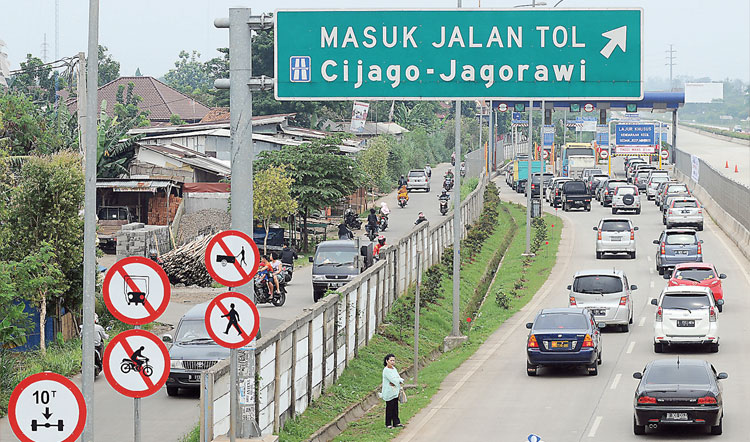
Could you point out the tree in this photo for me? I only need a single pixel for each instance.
(189, 76)
(26, 129)
(36, 79)
(115, 149)
(39, 278)
(14, 322)
(321, 174)
(176, 120)
(126, 108)
(272, 197)
(374, 163)
(138, 72)
(109, 69)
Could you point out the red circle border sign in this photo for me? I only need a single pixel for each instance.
(108, 371)
(119, 267)
(207, 258)
(214, 303)
(47, 376)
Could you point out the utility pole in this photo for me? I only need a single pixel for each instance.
(457, 220)
(528, 179)
(89, 218)
(57, 31)
(670, 57)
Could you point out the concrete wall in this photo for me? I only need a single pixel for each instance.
(197, 201)
(136, 239)
(300, 359)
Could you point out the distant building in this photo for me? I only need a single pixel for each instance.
(371, 129)
(160, 100)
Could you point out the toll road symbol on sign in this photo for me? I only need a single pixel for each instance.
(232, 258)
(232, 320)
(136, 363)
(47, 407)
(136, 290)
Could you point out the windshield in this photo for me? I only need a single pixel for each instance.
(625, 190)
(681, 239)
(615, 226)
(113, 214)
(193, 331)
(672, 374)
(659, 179)
(416, 173)
(694, 274)
(676, 189)
(574, 187)
(613, 184)
(597, 284)
(571, 151)
(683, 204)
(685, 301)
(335, 257)
(560, 320)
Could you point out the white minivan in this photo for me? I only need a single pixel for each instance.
(686, 315)
(606, 293)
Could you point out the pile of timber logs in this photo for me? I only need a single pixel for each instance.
(186, 264)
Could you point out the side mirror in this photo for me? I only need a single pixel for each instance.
(529, 325)
(637, 375)
(719, 302)
(166, 337)
(656, 241)
(310, 258)
(700, 241)
(722, 276)
(635, 228)
(667, 275)
(595, 228)
(633, 287)
(722, 375)
(654, 301)
(570, 287)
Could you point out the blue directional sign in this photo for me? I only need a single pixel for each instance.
(635, 134)
(548, 135)
(602, 135)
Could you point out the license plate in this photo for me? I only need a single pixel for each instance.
(193, 378)
(677, 416)
(559, 344)
(685, 323)
(681, 252)
(616, 238)
(685, 212)
(599, 311)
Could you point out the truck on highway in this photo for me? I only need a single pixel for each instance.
(575, 157)
(521, 173)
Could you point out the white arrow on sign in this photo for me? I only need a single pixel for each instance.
(616, 37)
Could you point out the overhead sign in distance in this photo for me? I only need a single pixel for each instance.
(458, 54)
(502, 107)
(136, 363)
(232, 258)
(635, 134)
(47, 407)
(136, 290)
(232, 320)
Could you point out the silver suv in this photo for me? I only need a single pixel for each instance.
(615, 235)
(685, 211)
(626, 198)
(418, 179)
(606, 293)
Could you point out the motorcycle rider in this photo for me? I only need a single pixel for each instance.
(463, 168)
(384, 212)
(428, 170)
(378, 246)
(154, 256)
(372, 221)
(402, 193)
(344, 232)
(453, 159)
(138, 358)
(264, 271)
(288, 255)
(277, 269)
(444, 196)
(420, 219)
(349, 216)
(402, 181)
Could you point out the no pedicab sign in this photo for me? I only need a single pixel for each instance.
(232, 258)
(232, 320)
(136, 290)
(47, 407)
(136, 363)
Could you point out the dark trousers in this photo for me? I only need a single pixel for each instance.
(391, 412)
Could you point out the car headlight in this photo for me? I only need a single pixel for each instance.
(175, 363)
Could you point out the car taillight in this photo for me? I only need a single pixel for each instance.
(532, 342)
(572, 301)
(700, 249)
(670, 211)
(663, 248)
(646, 400)
(587, 342)
(659, 315)
(705, 400)
(711, 314)
(623, 300)
(599, 235)
(606, 192)
(700, 211)
(632, 234)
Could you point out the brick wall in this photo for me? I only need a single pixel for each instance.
(162, 211)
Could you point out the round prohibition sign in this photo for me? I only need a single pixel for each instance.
(603, 154)
(136, 290)
(47, 407)
(128, 377)
(232, 258)
(545, 154)
(232, 320)
(664, 154)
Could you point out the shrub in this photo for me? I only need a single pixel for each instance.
(430, 292)
(503, 300)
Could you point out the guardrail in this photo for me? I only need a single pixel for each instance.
(296, 362)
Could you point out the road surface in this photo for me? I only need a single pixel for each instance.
(491, 395)
(717, 153)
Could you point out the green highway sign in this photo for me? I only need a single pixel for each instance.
(459, 54)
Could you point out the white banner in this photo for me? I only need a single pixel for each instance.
(359, 116)
(635, 150)
(695, 169)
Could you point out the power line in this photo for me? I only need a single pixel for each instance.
(670, 57)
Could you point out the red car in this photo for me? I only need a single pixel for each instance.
(699, 273)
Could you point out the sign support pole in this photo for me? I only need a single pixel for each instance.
(89, 218)
(416, 318)
(528, 180)
(137, 413)
(457, 222)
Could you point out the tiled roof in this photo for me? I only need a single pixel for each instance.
(159, 99)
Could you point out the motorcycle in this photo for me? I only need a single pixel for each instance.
(287, 270)
(383, 222)
(402, 201)
(352, 220)
(443, 207)
(372, 232)
(448, 184)
(128, 364)
(262, 296)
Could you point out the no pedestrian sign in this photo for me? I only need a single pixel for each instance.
(232, 320)
(136, 363)
(232, 258)
(47, 407)
(136, 290)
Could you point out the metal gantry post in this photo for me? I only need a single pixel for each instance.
(457, 222)
(89, 219)
(528, 179)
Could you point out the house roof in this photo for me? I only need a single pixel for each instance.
(221, 115)
(259, 120)
(371, 128)
(191, 157)
(159, 99)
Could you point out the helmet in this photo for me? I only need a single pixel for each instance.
(152, 252)
(372, 210)
(381, 240)
(383, 204)
(421, 214)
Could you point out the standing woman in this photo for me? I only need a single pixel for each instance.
(391, 386)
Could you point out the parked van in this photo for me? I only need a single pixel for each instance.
(337, 262)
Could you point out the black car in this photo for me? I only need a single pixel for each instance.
(678, 392)
(563, 337)
(575, 194)
(608, 191)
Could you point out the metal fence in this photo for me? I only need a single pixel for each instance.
(731, 196)
(296, 362)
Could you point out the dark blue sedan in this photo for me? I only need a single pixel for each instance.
(563, 337)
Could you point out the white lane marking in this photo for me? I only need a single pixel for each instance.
(642, 321)
(649, 258)
(650, 269)
(597, 421)
(630, 347)
(652, 282)
(615, 381)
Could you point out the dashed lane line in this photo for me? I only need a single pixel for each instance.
(642, 321)
(615, 381)
(597, 422)
(630, 347)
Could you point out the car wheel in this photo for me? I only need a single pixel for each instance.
(630, 321)
(713, 348)
(531, 369)
(660, 270)
(625, 328)
(632, 255)
(658, 347)
(637, 211)
(172, 391)
(720, 307)
(588, 207)
(599, 255)
(700, 227)
(717, 429)
(639, 429)
(316, 295)
(668, 226)
(428, 190)
(614, 211)
(593, 369)
(599, 359)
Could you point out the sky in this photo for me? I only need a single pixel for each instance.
(711, 38)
